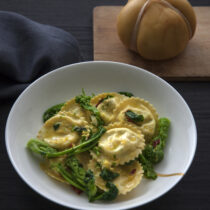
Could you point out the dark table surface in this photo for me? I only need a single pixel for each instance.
(75, 16)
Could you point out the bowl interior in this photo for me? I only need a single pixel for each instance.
(25, 120)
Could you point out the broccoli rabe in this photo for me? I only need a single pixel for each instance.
(76, 169)
(108, 175)
(52, 111)
(108, 195)
(96, 150)
(56, 126)
(128, 94)
(103, 99)
(152, 154)
(47, 151)
(147, 167)
(82, 177)
(74, 173)
(133, 117)
(40, 147)
(163, 127)
(68, 176)
(84, 102)
(154, 151)
(91, 189)
(79, 129)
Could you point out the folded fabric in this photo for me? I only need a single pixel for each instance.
(28, 50)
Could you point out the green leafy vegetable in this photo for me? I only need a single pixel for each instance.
(76, 169)
(107, 97)
(97, 150)
(85, 179)
(108, 175)
(40, 147)
(133, 117)
(153, 155)
(68, 177)
(56, 126)
(128, 94)
(84, 102)
(75, 174)
(148, 167)
(163, 127)
(47, 151)
(109, 195)
(98, 165)
(52, 111)
(79, 129)
(83, 139)
(91, 188)
(103, 99)
(154, 151)
(113, 164)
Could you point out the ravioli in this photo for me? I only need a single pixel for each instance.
(57, 131)
(121, 143)
(47, 167)
(106, 103)
(130, 175)
(75, 111)
(140, 107)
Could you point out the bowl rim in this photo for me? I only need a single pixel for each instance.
(63, 68)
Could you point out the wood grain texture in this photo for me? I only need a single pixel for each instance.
(192, 64)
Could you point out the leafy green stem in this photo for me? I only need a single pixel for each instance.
(154, 151)
(84, 102)
(67, 176)
(52, 111)
(45, 150)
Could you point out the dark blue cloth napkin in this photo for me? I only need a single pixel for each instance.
(28, 50)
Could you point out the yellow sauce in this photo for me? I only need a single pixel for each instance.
(173, 174)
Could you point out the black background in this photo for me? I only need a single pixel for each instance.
(75, 16)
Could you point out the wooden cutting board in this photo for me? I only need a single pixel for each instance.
(192, 64)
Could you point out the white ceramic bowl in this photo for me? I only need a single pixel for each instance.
(25, 119)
